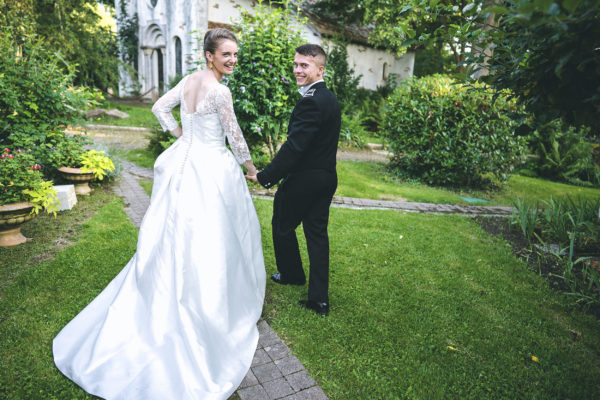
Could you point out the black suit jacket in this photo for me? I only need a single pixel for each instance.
(312, 139)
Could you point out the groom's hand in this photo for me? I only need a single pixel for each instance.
(252, 177)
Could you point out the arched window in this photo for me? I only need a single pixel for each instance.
(178, 56)
(153, 2)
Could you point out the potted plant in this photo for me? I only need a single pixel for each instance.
(80, 166)
(23, 193)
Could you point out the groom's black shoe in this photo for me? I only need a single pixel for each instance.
(278, 279)
(319, 308)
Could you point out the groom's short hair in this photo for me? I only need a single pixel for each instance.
(313, 50)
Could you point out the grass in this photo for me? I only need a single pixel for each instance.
(431, 307)
(140, 115)
(43, 296)
(141, 157)
(404, 287)
(372, 180)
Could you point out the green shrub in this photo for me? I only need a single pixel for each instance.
(35, 94)
(564, 154)
(443, 133)
(340, 77)
(352, 130)
(263, 84)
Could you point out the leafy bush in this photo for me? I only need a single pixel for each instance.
(340, 77)
(564, 154)
(263, 84)
(160, 140)
(35, 94)
(444, 133)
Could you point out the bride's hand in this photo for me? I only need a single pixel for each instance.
(250, 168)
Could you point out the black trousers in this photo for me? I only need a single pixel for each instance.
(304, 198)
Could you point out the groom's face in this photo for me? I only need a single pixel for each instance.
(307, 69)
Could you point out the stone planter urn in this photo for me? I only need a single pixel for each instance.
(78, 178)
(12, 215)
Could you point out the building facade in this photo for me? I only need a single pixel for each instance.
(170, 33)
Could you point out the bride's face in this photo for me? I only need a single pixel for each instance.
(224, 58)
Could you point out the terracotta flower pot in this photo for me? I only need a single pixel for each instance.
(79, 179)
(11, 217)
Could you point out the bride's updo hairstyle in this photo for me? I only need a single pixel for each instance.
(214, 37)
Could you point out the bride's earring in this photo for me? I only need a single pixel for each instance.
(210, 65)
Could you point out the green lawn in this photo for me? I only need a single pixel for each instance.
(140, 115)
(404, 287)
(373, 181)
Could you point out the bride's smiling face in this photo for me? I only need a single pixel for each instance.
(224, 57)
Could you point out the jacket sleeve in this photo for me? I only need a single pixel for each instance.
(302, 130)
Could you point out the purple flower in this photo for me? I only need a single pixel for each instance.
(270, 67)
(243, 89)
(258, 129)
(325, 74)
(262, 82)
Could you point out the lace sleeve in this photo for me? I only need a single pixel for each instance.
(163, 106)
(229, 123)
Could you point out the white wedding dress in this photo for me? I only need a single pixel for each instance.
(179, 321)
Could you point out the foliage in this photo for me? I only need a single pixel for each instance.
(352, 130)
(564, 154)
(445, 134)
(416, 24)
(127, 35)
(263, 82)
(546, 53)
(35, 93)
(432, 59)
(96, 162)
(525, 216)
(340, 76)
(21, 180)
(573, 227)
(71, 29)
(160, 140)
(16, 18)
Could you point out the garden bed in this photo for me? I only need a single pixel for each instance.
(543, 263)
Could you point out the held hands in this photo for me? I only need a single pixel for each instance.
(251, 172)
(252, 177)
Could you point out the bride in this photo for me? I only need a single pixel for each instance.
(179, 321)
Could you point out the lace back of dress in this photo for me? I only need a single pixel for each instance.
(196, 96)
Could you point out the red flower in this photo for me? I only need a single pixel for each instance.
(10, 156)
(6, 150)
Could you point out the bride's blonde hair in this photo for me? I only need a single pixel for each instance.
(214, 37)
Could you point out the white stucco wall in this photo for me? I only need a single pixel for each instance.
(370, 63)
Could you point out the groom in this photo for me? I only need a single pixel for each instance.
(306, 162)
